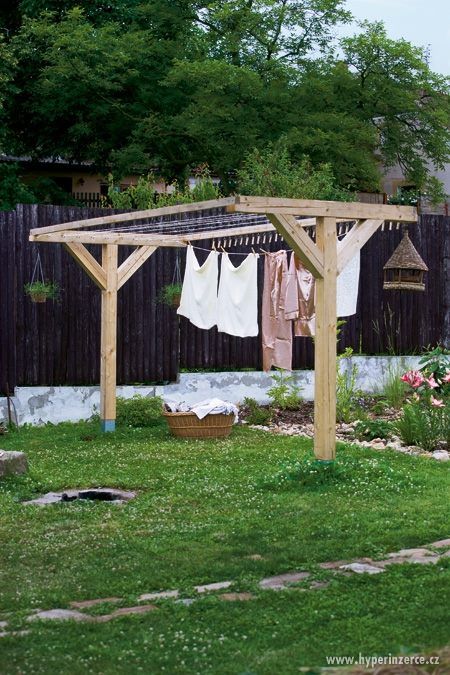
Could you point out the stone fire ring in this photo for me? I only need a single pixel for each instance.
(90, 494)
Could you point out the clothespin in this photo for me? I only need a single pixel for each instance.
(253, 251)
(246, 240)
(276, 236)
(213, 245)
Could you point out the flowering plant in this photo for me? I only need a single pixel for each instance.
(426, 416)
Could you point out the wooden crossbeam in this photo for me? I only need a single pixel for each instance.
(87, 261)
(301, 243)
(120, 238)
(178, 209)
(355, 240)
(133, 263)
(313, 207)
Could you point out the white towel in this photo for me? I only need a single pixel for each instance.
(347, 287)
(238, 297)
(199, 293)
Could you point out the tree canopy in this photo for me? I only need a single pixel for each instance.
(138, 85)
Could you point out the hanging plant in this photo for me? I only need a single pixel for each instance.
(41, 291)
(38, 289)
(170, 295)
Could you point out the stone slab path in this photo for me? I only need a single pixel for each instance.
(430, 554)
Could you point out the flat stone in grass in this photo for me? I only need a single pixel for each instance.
(281, 581)
(160, 595)
(218, 586)
(411, 553)
(60, 615)
(233, 597)
(362, 568)
(85, 604)
(12, 463)
(442, 543)
(123, 611)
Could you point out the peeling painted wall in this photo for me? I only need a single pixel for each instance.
(38, 405)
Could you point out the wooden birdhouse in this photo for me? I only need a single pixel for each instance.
(405, 268)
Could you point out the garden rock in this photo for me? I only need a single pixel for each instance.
(280, 581)
(160, 595)
(12, 463)
(218, 586)
(362, 568)
(85, 604)
(233, 597)
(60, 615)
(441, 455)
(123, 611)
(442, 543)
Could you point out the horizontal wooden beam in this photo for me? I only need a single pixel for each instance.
(240, 231)
(319, 208)
(355, 240)
(87, 262)
(133, 263)
(121, 238)
(178, 209)
(301, 243)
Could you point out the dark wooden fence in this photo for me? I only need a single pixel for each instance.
(59, 342)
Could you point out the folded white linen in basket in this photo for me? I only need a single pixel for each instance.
(210, 406)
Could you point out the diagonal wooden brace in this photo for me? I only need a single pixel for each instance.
(87, 261)
(302, 244)
(355, 240)
(133, 263)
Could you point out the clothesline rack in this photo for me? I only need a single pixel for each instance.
(230, 219)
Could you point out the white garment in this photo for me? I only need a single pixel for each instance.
(199, 293)
(212, 406)
(347, 287)
(238, 297)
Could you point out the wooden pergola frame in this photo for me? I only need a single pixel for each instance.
(325, 259)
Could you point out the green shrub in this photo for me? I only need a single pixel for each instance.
(347, 407)
(139, 411)
(284, 394)
(369, 429)
(394, 389)
(256, 413)
(419, 425)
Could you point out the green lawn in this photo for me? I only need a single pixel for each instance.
(204, 510)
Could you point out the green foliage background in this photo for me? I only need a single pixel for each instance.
(166, 85)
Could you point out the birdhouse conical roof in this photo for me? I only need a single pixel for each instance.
(406, 257)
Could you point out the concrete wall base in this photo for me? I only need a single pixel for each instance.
(38, 405)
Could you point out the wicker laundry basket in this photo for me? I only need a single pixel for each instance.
(188, 425)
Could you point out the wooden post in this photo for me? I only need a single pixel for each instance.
(109, 339)
(325, 344)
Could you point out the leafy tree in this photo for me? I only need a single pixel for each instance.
(273, 173)
(12, 190)
(258, 32)
(407, 104)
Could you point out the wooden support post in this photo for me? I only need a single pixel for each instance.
(109, 339)
(325, 344)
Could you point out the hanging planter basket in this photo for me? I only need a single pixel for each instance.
(38, 289)
(405, 269)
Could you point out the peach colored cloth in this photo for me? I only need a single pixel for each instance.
(300, 298)
(276, 328)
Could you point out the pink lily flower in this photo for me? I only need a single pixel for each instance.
(446, 377)
(414, 378)
(437, 402)
(431, 382)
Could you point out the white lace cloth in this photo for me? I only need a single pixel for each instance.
(210, 406)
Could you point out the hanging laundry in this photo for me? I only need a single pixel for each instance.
(238, 297)
(300, 300)
(199, 294)
(276, 329)
(347, 287)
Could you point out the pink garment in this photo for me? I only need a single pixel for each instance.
(276, 328)
(300, 298)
